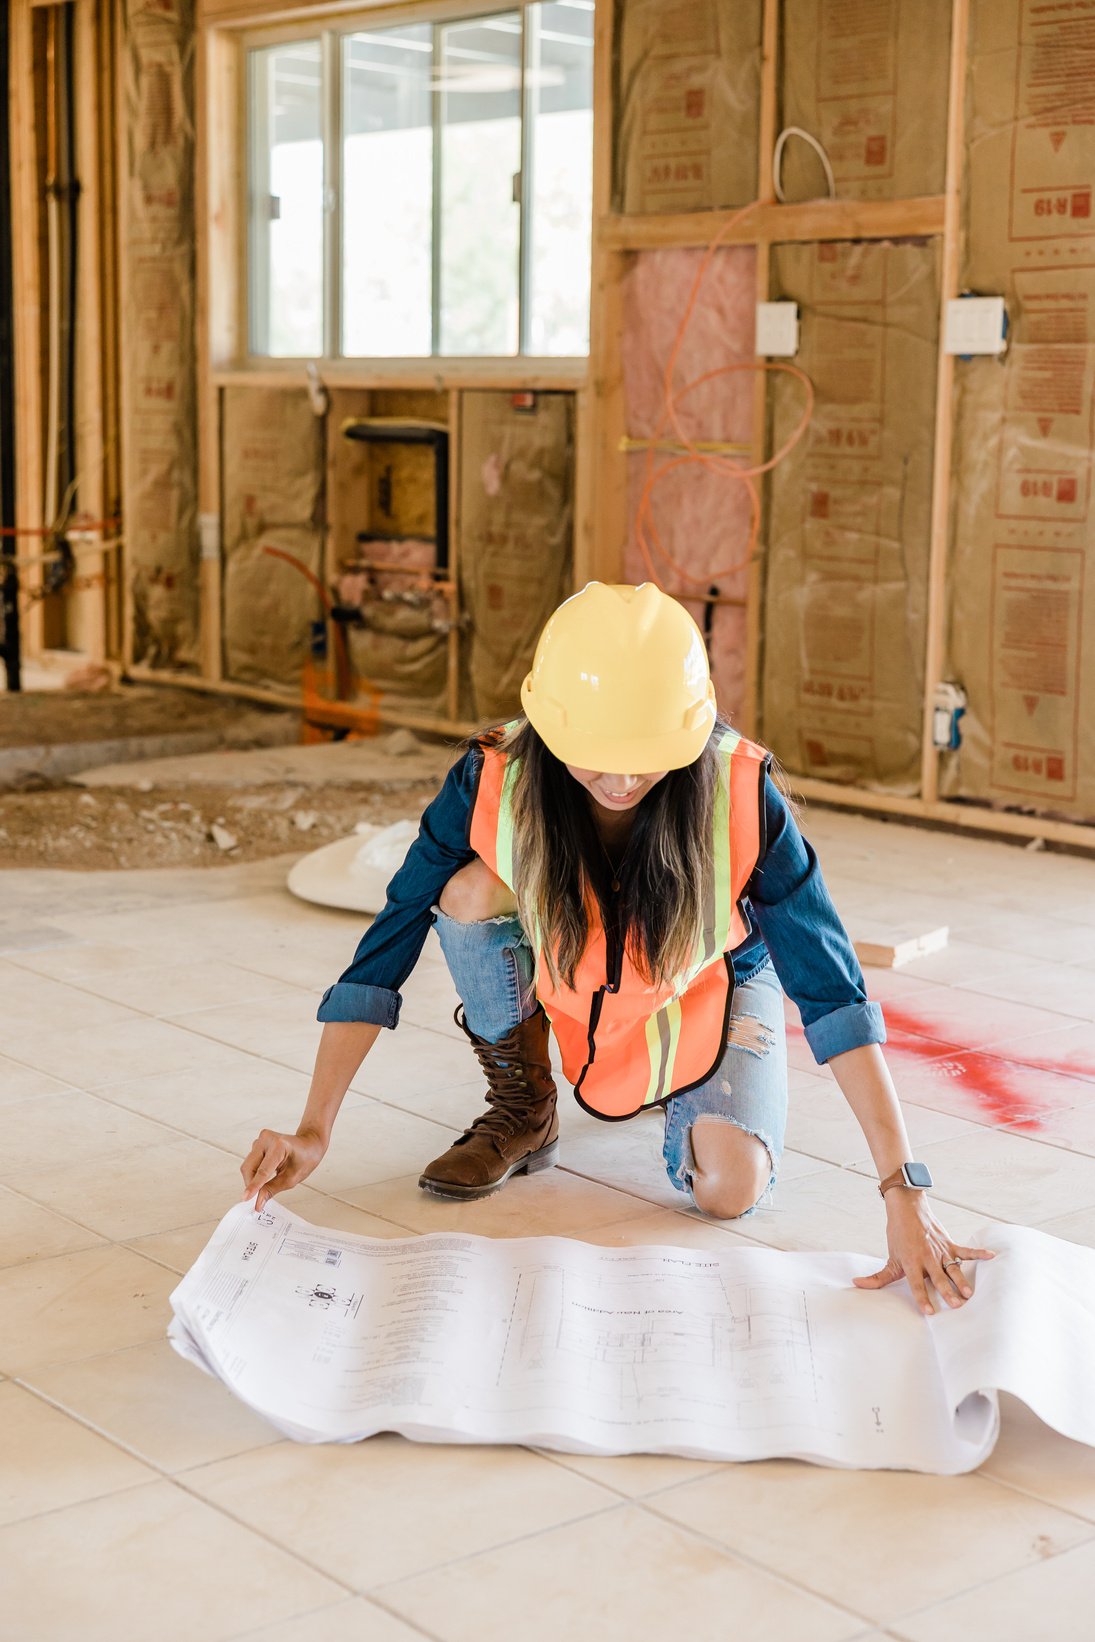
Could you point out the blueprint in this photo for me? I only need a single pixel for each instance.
(748, 1354)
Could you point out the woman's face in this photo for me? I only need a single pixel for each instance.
(615, 792)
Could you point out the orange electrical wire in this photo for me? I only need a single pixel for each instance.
(324, 597)
(647, 534)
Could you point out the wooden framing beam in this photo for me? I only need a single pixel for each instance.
(453, 655)
(27, 303)
(811, 220)
(962, 817)
(106, 46)
(936, 613)
(121, 171)
(219, 213)
(769, 113)
(85, 609)
(601, 511)
(537, 376)
(291, 699)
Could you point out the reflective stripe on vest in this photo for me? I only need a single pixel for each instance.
(625, 1043)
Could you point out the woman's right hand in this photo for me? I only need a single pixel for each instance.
(276, 1162)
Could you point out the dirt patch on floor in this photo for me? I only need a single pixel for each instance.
(51, 718)
(179, 825)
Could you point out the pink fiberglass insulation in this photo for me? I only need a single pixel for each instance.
(702, 516)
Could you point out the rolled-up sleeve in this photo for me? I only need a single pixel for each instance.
(368, 991)
(810, 948)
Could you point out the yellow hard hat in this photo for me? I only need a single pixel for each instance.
(620, 682)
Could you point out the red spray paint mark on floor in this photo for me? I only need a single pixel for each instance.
(1013, 1092)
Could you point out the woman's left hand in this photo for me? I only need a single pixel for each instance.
(919, 1247)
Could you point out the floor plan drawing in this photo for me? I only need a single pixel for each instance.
(638, 1337)
(745, 1354)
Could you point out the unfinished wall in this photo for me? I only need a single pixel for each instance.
(868, 79)
(157, 333)
(687, 100)
(273, 467)
(848, 514)
(701, 517)
(515, 509)
(399, 644)
(1021, 632)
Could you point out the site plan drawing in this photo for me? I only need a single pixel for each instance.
(748, 1354)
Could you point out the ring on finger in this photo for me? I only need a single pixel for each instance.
(953, 1261)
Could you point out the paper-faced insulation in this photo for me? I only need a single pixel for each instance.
(158, 354)
(701, 516)
(273, 497)
(848, 515)
(1021, 579)
(516, 511)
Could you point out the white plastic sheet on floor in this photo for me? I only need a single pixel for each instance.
(748, 1354)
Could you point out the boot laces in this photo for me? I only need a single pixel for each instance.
(511, 1098)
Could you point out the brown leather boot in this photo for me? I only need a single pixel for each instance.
(519, 1131)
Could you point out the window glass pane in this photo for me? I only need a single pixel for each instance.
(287, 199)
(560, 188)
(480, 97)
(387, 191)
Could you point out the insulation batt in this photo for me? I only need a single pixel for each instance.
(702, 516)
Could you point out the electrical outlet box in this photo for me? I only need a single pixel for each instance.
(975, 325)
(948, 706)
(777, 329)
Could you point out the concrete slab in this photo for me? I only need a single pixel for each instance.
(348, 762)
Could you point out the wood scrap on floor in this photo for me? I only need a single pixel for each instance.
(901, 948)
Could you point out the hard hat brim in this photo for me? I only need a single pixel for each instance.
(620, 755)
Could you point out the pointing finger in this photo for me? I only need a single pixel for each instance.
(265, 1168)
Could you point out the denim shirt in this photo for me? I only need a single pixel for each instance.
(792, 917)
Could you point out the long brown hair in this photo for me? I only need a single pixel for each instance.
(559, 861)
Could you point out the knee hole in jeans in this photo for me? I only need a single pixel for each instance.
(474, 895)
(734, 1184)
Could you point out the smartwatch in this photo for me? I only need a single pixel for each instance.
(915, 1177)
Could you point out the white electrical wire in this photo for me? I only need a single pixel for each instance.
(777, 159)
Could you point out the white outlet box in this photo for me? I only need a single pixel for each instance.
(975, 324)
(777, 330)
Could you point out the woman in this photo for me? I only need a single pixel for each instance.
(646, 915)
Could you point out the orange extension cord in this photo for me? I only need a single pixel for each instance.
(646, 529)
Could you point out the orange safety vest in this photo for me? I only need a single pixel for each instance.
(627, 1044)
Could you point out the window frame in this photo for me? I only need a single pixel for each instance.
(329, 29)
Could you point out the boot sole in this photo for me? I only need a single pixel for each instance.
(545, 1158)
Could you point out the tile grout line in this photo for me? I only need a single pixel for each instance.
(333, 1608)
(875, 1624)
(1039, 1499)
(173, 1480)
(370, 1592)
(987, 1584)
(614, 1505)
(907, 1613)
(756, 1564)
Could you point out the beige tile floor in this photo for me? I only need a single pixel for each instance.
(154, 1021)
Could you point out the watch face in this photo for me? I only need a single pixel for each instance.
(918, 1174)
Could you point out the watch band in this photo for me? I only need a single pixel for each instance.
(900, 1177)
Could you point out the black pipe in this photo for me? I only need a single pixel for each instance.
(9, 575)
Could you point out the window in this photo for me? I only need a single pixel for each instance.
(423, 188)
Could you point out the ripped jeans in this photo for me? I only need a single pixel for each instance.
(492, 969)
